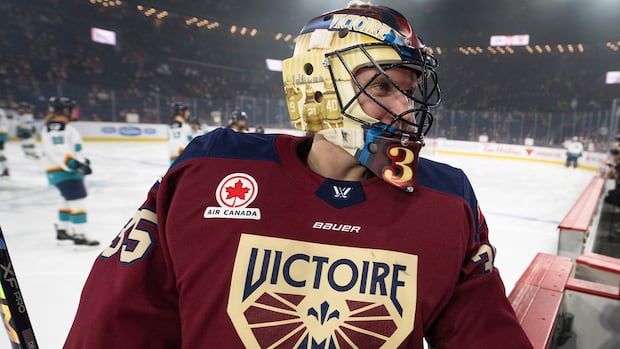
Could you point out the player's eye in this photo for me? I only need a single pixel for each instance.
(379, 88)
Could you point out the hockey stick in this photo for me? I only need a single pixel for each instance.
(14, 314)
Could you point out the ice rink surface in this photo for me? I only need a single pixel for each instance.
(522, 201)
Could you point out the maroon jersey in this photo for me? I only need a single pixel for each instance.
(242, 245)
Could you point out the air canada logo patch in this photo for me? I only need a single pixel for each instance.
(234, 194)
(289, 294)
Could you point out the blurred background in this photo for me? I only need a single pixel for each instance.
(118, 57)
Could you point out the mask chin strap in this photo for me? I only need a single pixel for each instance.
(393, 159)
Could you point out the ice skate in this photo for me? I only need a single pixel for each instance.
(83, 240)
(5, 174)
(62, 237)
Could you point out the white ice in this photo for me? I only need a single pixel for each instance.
(522, 201)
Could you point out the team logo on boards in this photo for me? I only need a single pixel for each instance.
(294, 294)
(234, 194)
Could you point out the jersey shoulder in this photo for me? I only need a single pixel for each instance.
(444, 178)
(453, 181)
(228, 144)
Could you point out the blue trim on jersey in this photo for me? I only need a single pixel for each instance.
(4, 137)
(450, 180)
(228, 144)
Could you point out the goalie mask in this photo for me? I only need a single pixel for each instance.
(323, 89)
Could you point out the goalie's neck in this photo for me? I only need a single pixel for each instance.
(331, 161)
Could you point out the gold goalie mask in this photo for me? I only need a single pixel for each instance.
(322, 90)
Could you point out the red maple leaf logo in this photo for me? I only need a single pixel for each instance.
(237, 191)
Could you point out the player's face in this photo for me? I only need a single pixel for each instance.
(60, 118)
(386, 93)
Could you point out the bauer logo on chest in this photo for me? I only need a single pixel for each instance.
(234, 194)
(296, 294)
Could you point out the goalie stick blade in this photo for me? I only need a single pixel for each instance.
(14, 313)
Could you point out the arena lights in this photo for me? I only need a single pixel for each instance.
(530, 49)
(243, 30)
(288, 37)
(434, 51)
(162, 15)
(614, 46)
(278, 36)
(107, 3)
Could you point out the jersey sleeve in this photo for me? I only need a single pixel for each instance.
(478, 314)
(130, 298)
(75, 145)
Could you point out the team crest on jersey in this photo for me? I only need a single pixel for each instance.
(293, 294)
(234, 194)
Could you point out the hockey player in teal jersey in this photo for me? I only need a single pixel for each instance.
(180, 131)
(4, 137)
(26, 130)
(66, 168)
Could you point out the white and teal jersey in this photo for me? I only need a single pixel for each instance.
(4, 126)
(179, 135)
(61, 144)
(25, 121)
